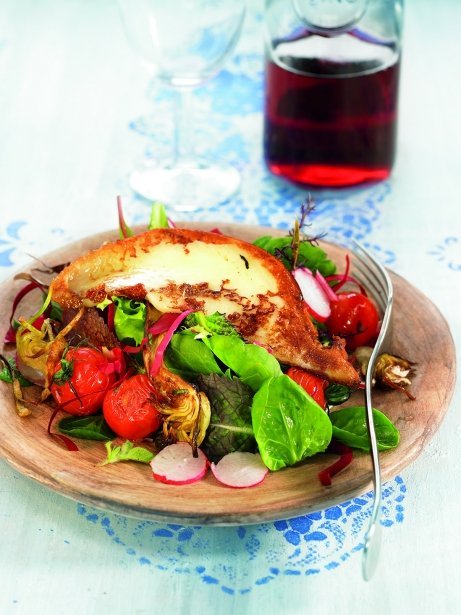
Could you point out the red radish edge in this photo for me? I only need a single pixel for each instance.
(176, 464)
(329, 292)
(240, 470)
(171, 322)
(313, 293)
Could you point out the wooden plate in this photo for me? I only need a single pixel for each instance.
(420, 334)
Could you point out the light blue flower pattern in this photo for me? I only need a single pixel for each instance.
(448, 252)
(19, 242)
(254, 555)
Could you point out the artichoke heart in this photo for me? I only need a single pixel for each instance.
(186, 411)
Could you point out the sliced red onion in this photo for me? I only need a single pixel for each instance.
(124, 228)
(68, 443)
(169, 324)
(164, 323)
(342, 280)
(134, 349)
(10, 336)
(346, 457)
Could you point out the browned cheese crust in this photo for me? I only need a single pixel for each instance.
(275, 318)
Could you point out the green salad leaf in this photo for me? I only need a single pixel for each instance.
(158, 217)
(92, 427)
(230, 424)
(205, 326)
(252, 364)
(336, 394)
(127, 452)
(288, 424)
(129, 320)
(189, 357)
(309, 255)
(350, 428)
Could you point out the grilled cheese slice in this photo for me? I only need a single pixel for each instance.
(180, 269)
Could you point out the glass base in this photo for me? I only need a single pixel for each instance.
(187, 186)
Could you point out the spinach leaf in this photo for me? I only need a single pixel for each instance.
(337, 394)
(189, 357)
(230, 423)
(288, 425)
(129, 320)
(310, 255)
(86, 427)
(252, 364)
(350, 427)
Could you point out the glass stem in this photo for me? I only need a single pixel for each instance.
(184, 127)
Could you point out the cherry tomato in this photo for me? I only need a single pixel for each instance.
(82, 378)
(313, 385)
(355, 318)
(129, 408)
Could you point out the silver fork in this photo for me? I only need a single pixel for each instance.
(372, 275)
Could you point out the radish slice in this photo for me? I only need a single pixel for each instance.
(176, 465)
(240, 470)
(329, 292)
(313, 294)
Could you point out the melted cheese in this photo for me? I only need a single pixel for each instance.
(217, 267)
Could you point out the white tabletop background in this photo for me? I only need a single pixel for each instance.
(76, 113)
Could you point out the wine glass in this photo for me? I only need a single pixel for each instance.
(184, 43)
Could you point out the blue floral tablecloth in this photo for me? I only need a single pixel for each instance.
(75, 116)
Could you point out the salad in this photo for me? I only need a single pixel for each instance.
(189, 350)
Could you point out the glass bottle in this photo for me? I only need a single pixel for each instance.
(331, 89)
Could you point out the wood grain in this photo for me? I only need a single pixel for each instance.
(420, 334)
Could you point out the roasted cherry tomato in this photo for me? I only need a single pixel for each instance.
(313, 385)
(82, 378)
(129, 408)
(355, 318)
